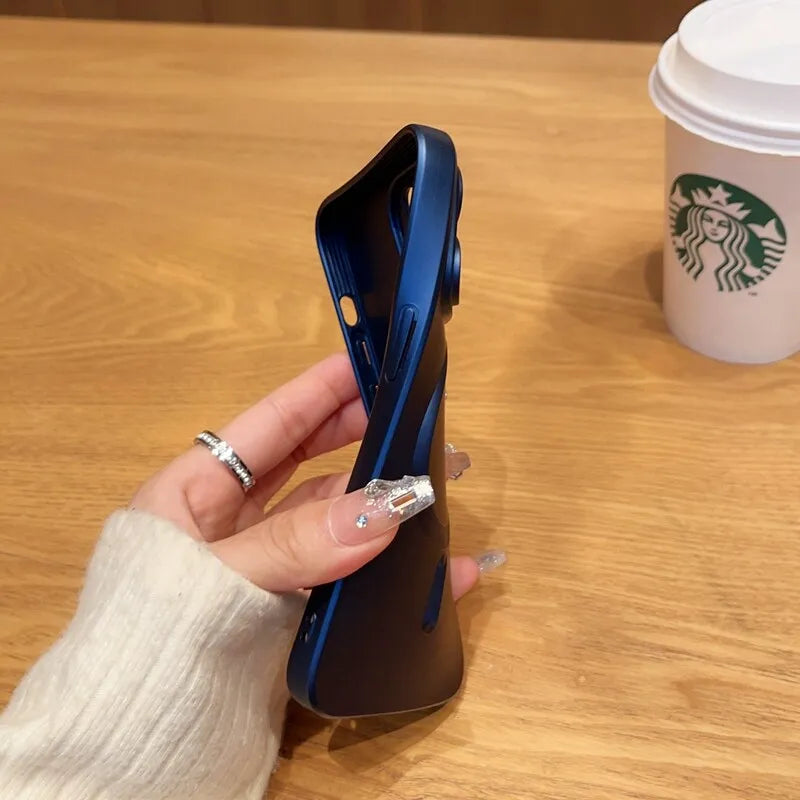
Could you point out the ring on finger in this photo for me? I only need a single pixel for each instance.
(224, 453)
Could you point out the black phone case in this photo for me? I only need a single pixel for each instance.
(386, 639)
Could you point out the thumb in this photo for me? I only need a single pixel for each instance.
(325, 540)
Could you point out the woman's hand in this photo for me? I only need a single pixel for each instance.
(316, 533)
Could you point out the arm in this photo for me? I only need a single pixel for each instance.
(168, 683)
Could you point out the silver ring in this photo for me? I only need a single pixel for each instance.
(222, 451)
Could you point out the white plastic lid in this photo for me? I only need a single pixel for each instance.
(732, 74)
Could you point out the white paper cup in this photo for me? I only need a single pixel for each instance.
(729, 84)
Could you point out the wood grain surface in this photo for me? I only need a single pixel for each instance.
(158, 186)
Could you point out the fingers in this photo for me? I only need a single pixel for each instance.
(456, 463)
(272, 429)
(322, 541)
(344, 427)
(322, 488)
(311, 490)
(464, 574)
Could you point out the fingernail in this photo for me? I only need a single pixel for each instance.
(376, 509)
(457, 462)
(490, 561)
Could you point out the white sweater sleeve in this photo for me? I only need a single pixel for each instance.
(167, 684)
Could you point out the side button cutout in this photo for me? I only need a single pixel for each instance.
(434, 604)
(406, 323)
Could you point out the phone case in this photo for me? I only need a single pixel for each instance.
(386, 639)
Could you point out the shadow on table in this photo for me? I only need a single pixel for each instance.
(653, 275)
(613, 285)
(476, 609)
(605, 281)
(361, 745)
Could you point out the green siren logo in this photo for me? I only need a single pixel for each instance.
(723, 231)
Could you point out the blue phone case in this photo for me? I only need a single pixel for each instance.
(386, 639)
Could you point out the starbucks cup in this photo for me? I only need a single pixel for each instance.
(728, 83)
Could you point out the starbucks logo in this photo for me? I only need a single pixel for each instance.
(723, 231)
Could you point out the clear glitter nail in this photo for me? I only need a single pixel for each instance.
(399, 499)
(490, 561)
(457, 462)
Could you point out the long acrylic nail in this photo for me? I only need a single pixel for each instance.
(376, 509)
(457, 462)
(490, 561)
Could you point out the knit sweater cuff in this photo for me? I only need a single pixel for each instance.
(168, 683)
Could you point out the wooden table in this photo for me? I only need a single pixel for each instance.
(158, 186)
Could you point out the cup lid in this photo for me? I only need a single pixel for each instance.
(732, 74)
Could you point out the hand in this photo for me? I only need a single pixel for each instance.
(316, 533)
